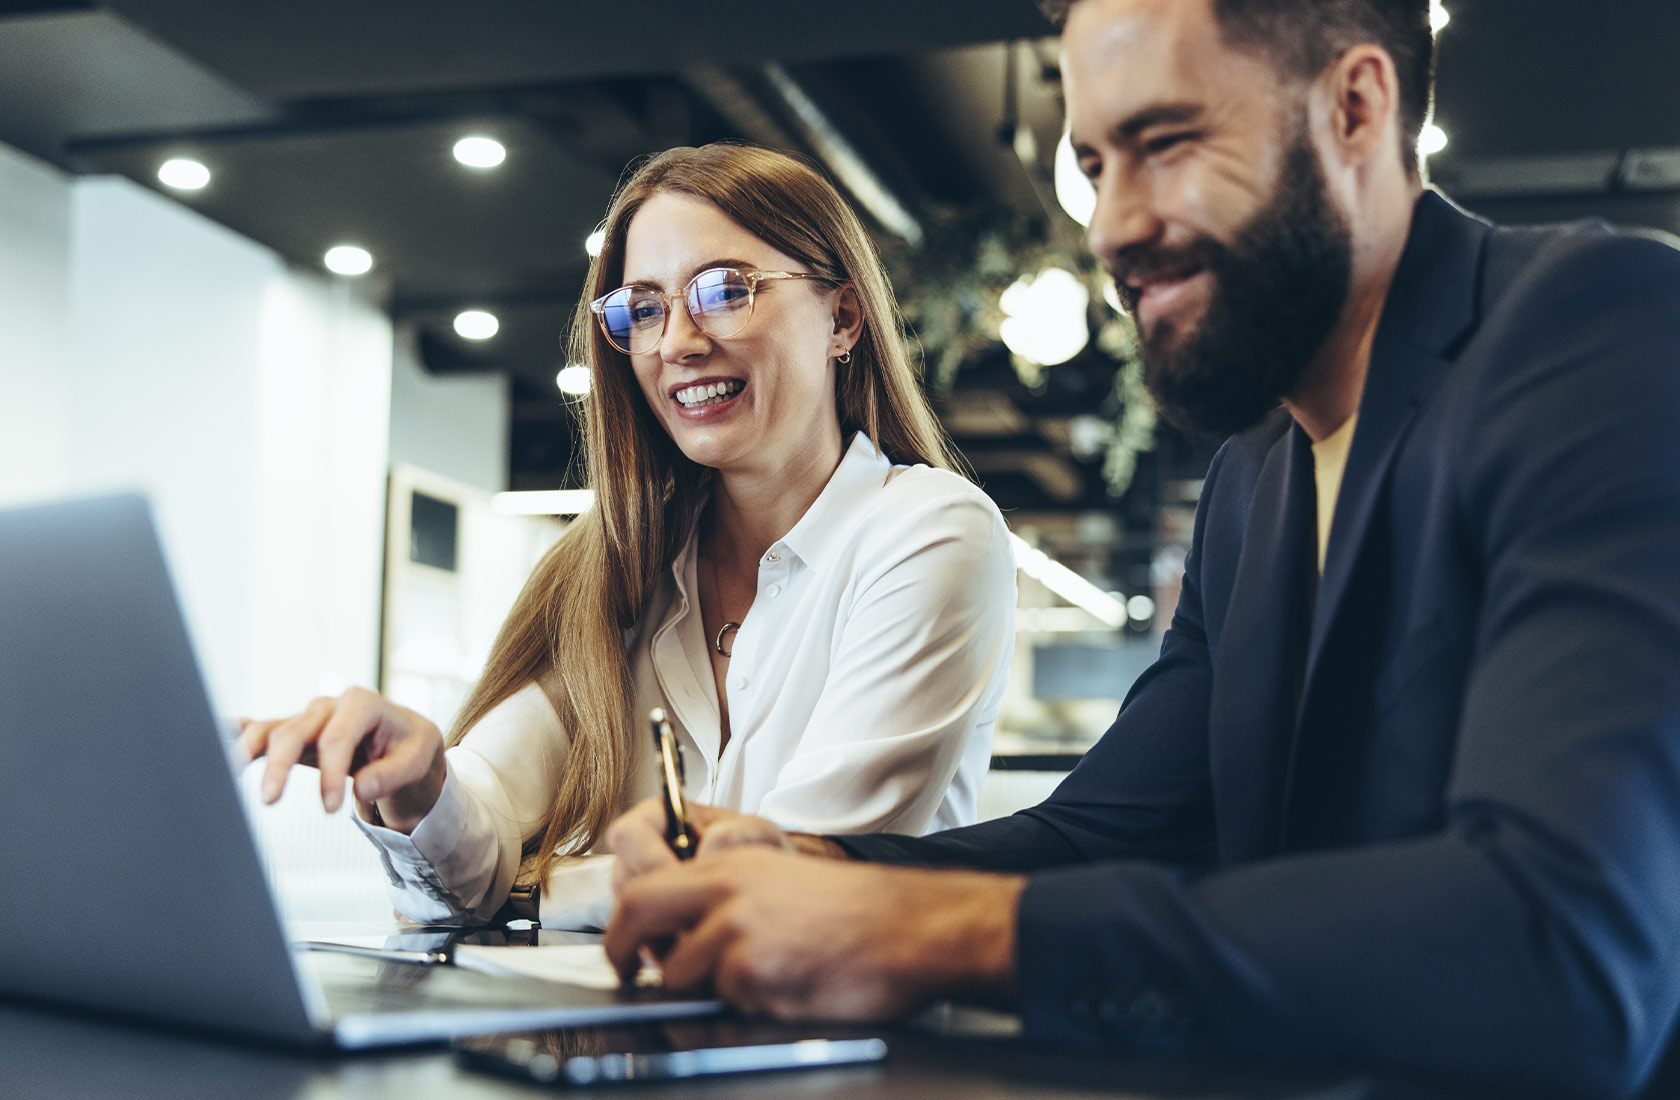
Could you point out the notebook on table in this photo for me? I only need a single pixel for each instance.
(133, 877)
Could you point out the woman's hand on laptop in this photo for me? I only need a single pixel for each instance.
(392, 755)
(637, 838)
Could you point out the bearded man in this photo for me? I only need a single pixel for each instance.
(1404, 786)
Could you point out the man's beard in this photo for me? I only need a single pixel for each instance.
(1277, 291)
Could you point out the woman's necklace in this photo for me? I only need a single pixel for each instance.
(717, 590)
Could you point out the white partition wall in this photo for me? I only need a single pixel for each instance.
(252, 403)
(34, 325)
(456, 427)
(144, 347)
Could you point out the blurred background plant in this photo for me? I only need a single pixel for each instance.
(983, 277)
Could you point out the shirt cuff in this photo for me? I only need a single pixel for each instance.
(437, 835)
(433, 862)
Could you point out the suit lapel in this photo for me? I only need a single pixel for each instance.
(1261, 649)
(1431, 303)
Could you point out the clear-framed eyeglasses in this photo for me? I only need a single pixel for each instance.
(719, 299)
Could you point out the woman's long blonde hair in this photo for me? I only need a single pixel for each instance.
(567, 629)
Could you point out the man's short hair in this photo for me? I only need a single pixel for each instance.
(1302, 37)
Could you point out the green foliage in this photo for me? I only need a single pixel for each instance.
(948, 290)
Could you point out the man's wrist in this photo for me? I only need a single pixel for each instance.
(959, 942)
(982, 935)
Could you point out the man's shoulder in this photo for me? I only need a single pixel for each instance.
(1581, 296)
(1586, 259)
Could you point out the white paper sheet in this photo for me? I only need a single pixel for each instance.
(582, 964)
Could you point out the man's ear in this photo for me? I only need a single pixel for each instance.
(1363, 93)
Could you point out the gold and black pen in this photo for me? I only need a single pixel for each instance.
(679, 834)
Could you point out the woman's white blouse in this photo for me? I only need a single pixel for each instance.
(864, 685)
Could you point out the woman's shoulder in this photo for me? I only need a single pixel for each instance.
(929, 487)
(921, 505)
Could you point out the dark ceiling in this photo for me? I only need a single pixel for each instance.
(327, 120)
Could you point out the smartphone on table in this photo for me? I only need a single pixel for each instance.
(670, 1050)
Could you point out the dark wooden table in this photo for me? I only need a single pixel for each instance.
(46, 1054)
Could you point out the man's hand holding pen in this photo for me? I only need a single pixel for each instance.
(638, 841)
(663, 831)
(725, 899)
(753, 918)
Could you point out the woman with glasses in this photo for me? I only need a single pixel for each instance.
(779, 556)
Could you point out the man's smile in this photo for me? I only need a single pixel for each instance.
(1168, 295)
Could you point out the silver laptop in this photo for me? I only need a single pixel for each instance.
(132, 880)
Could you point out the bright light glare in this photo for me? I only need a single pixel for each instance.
(1431, 140)
(183, 174)
(1044, 319)
(1052, 620)
(476, 324)
(596, 241)
(478, 151)
(1073, 188)
(1140, 608)
(1438, 16)
(1067, 584)
(553, 502)
(347, 259)
(573, 380)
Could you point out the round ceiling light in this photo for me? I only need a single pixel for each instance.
(1432, 140)
(478, 151)
(1044, 317)
(596, 241)
(348, 259)
(573, 380)
(183, 174)
(476, 324)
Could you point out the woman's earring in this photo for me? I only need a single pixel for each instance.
(844, 357)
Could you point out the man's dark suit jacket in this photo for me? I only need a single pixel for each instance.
(1428, 816)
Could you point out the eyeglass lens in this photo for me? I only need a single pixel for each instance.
(719, 301)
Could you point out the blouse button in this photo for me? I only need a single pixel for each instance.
(739, 683)
(773, 591)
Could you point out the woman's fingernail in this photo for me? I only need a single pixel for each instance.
(270, 789)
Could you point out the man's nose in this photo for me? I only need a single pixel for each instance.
(1124, 218)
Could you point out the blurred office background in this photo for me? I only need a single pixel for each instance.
(300, 272)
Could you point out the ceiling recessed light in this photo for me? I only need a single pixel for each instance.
(476, 324)
(1432, 140)
(183, 174)
(1438, 16)
(573, 380)
(596, 241)
(348, 259)
(478, 151)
